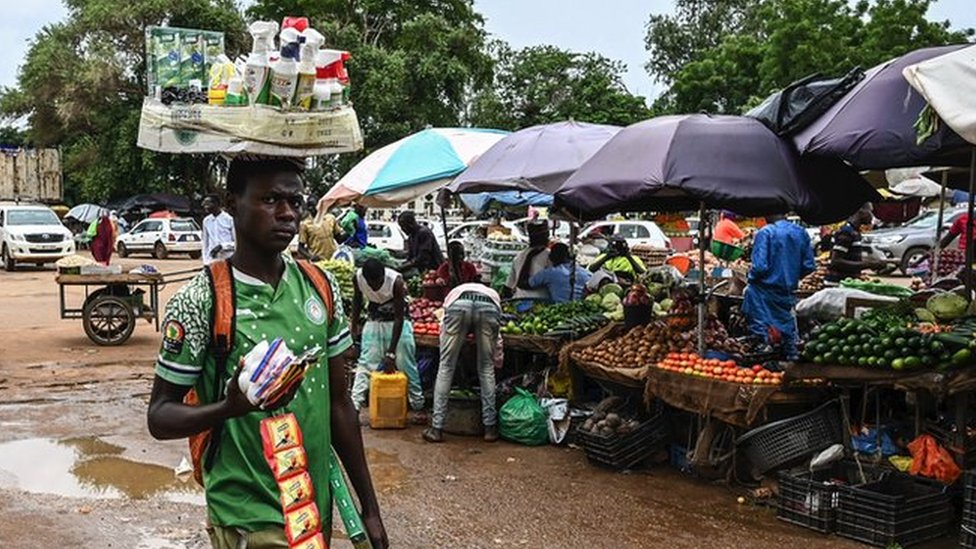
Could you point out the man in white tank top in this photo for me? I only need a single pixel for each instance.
(387, 337)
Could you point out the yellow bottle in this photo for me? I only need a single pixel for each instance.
(387, 400)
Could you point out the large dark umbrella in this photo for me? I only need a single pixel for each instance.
(697, 161)
(677, 163)
(872, 127)
(539, 158)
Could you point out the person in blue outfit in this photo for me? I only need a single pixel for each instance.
(782, 254)
(354, 225)
(555, 279)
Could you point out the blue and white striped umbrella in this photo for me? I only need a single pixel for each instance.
(411, 167)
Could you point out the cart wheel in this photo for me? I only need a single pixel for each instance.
(108, 320)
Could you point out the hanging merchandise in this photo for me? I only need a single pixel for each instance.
(256, 80)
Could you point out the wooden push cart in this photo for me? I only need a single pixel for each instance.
(114, 302)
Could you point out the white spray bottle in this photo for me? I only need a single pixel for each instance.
(256, 70)
(312, 40)
(284, 71)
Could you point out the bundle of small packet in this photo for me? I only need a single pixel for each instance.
(271, 370)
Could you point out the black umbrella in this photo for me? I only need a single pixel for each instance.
(678, 163)
(873, 126)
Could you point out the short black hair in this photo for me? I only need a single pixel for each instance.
(407, 216)
(559, 253)
(242, 170)
(373, 268)
(213, 197)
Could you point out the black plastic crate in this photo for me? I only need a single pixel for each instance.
(788, 440)
(625, 451)
(898, 509)
(967, 530)
(965, 455)
(810, 499)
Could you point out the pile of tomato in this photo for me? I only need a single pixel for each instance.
(426, 328)
(722, 370)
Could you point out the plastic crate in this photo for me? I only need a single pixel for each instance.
(898, 509)
(809, 499)
(787, 440)
(625, 451)
(967, 530)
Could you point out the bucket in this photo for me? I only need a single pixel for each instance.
(387, 400)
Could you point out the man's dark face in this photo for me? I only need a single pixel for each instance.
(409, 226)
(268, 213)
(210, 206)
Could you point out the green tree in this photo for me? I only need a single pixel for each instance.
(779, 41)
(81, 87)
(543, 84)
(673, 40)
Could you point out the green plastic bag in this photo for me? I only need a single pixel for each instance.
(522, 420)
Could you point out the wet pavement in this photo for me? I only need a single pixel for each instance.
(78, 468)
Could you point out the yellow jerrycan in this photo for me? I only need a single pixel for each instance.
(387, 400)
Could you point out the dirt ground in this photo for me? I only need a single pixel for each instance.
(79, 469)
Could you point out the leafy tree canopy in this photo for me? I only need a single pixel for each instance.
(767, 44)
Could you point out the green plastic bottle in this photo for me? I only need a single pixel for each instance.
(347, 507)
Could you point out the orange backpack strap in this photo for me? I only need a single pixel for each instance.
(204, 445)
(321, 284)
(222, 317)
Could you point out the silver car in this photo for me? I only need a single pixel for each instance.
(902, 246)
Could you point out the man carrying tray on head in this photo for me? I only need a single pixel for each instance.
(272, 297)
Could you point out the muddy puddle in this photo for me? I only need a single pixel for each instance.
(387, 471)
(88, 468)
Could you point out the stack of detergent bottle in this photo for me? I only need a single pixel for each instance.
(299, 75)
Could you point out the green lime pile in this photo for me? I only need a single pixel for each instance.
(851, 342)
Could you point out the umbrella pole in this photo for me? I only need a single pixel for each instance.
(969, 232)
(702, 229)
(572, 253)
(938, 228)
(444, 225)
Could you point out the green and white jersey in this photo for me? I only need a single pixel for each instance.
(241, 491)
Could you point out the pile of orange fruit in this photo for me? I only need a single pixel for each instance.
(722, 370)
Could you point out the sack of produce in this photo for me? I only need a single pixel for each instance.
(523, 420)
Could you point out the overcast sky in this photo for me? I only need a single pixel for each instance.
(614, 28)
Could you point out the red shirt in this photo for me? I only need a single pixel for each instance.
(726, 231)
(469, 273)
(958, 228)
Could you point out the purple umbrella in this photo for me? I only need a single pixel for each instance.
(676, 163)
(872, 127)
(539, 158)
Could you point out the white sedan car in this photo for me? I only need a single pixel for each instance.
(634, 232)
(161, 237)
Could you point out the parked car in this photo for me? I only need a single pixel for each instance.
(902, 246)
(634, 232)
(162, 237)
(31, 233)
(386, 235)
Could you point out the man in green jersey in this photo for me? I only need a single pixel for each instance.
(272, 299)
